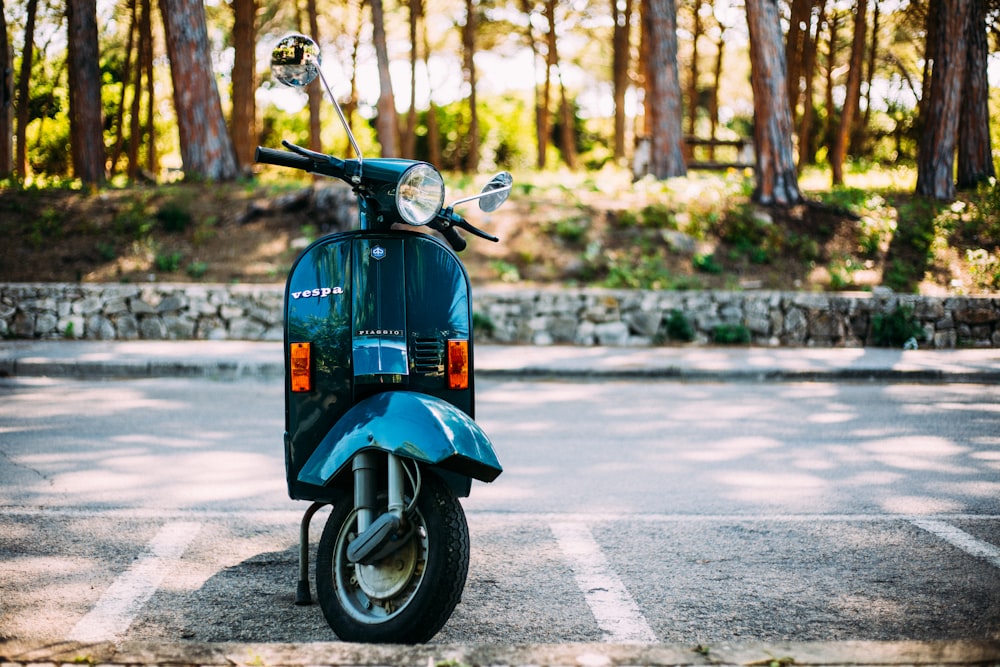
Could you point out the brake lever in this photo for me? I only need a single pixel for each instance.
(453, 219)
(305, 152)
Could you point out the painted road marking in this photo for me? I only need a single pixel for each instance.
(121, 602)
(616, 612)
(961, 539)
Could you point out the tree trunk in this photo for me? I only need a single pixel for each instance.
(795, 50)
(244, 88)
(386, 125)
(975, 152)
(433, 133)
(146, 49)
(833, 23)
(527, 9)
(206, 147)
(469, 70)
(936, 160)
(713, 103)
(567, 136)
(806, 121)
(23, 82)
(314, 91)
(410, 136)
(622, 17)
(85, 111)
(693, 71)
(663, 90)
(551, 59)
(838, 152)
(119, 123)
(6, 99)
(777, 181)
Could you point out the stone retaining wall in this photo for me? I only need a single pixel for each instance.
(506, 315)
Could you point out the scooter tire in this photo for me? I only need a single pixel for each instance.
(418, 602)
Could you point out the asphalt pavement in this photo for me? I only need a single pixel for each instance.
(239, 359)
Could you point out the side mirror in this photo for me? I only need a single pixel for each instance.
(295, 61)
(495, 192)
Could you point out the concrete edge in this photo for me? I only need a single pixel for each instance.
(229, 370)
(750, 654)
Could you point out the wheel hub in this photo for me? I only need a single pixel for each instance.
(391, 575)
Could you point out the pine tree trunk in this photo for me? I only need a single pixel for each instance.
(385, 122)
(838, 152)
(410, 136)
(807, 120)
(693, 72)
(314, 91)
(469, 69)
(86, 118)
(936, 160)
(663, 90)
(433, 133)
(777, 180)
(6, 99)
(975, 150)
(244, 88)
(619, 68)
(23, 81)
(206, 147)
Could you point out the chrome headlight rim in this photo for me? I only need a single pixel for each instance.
(419, 194)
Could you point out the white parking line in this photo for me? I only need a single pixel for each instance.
(121, 602)
(961, 539)
(616, 612)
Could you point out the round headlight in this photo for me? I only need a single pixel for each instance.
(419, 194)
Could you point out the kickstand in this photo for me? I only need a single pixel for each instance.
(302, 594)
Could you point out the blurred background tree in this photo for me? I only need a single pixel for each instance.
(484, 84)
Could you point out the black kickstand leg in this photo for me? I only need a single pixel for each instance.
(302, 594)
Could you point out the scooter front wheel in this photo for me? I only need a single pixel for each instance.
(407, 596)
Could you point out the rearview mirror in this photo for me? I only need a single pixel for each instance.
(295, 61)
(495, 192)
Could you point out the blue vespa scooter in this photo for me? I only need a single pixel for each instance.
(379, 390)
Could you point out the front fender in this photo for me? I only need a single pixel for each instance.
(409, 424)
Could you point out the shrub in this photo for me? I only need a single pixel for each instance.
(174, 217)
(679, 327)
(896, 328)
(731, 334)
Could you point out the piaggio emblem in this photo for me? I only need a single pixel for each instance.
(378, 252)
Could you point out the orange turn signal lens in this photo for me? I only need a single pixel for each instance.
(300, 366)
(458, 364)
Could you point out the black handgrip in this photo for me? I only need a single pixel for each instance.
(453, 238)
(266, 155)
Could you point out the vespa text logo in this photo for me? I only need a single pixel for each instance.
(321, 292)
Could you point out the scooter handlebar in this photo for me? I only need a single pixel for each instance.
(266, 155)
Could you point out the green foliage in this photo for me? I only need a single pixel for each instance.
(751, 234)
(731, 334)
(505, 271)
(168, 262)
(135, 220)
(895, 329)
(910, 252)
(679, 327)
(482, 324)
(46, 228)
(572, 229)
(196, 269)
(706, 264)
(174, 217)
(652, 216)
